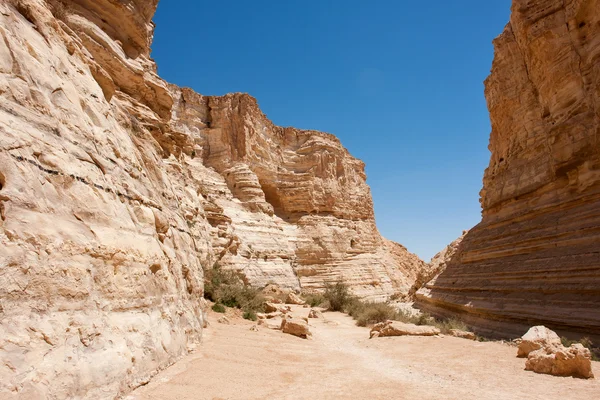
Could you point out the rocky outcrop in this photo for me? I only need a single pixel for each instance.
(534, 258)
(293, 208)
(118, 190)
(435, 266)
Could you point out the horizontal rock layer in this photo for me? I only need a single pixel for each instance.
(535, 257)
(118, 190)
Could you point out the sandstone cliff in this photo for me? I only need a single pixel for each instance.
(535, 257)
(117, 190)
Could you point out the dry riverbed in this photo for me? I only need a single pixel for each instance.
(341, 362)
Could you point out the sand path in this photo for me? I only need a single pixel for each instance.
(342, 363)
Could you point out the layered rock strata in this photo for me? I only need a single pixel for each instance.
(117, 190)
(535, 257)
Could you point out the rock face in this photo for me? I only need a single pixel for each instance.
(534, 258)
(117, 190)
(292, 207)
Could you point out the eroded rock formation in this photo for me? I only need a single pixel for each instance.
(117, 190)
(535, 257)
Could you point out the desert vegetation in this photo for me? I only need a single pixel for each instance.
(226, 289)
(337, 297)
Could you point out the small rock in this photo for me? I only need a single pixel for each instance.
(463, 334)
(296, 327)
(293, 298)
(224, 320)
(254, 328)
(315, 313)
(394, 328)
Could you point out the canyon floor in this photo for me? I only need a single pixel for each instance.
(341, 362)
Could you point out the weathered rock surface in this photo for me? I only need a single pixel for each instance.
(436, 266)
(574, 361)
(546, 355)
(534, 258)
(463, 334)
(296, 327)
(395, 328)
(117, 190)
(538, 337)
(292, 206)
(293, 298)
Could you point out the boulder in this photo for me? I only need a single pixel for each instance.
(394, 328)
(463, 334)
(538, 337)
(313, 313)
(573, 361)
(296, 327)
(293, 298)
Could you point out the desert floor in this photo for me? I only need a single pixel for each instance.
(341, 362)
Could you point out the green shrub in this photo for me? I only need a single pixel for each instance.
(220, 308)
(227, 288)
(338, 296)
(373, 313)
(313, 299)
(250, 315)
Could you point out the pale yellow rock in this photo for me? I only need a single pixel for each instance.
(395, 328)
(296, 327)
(293, 298)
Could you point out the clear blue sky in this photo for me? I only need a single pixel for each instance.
(399, 82)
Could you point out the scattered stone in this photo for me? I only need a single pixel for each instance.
(313, 313)
(296, 327)
(463, 334)
(270, 324)
(254, 328)
(224, 320)
(395, 328)
(293, 298)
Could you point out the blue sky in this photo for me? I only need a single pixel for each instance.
(399, 82)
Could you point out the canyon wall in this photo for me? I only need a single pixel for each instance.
(117, 190)
(535, 257)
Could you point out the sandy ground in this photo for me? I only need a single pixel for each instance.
(341, 362)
